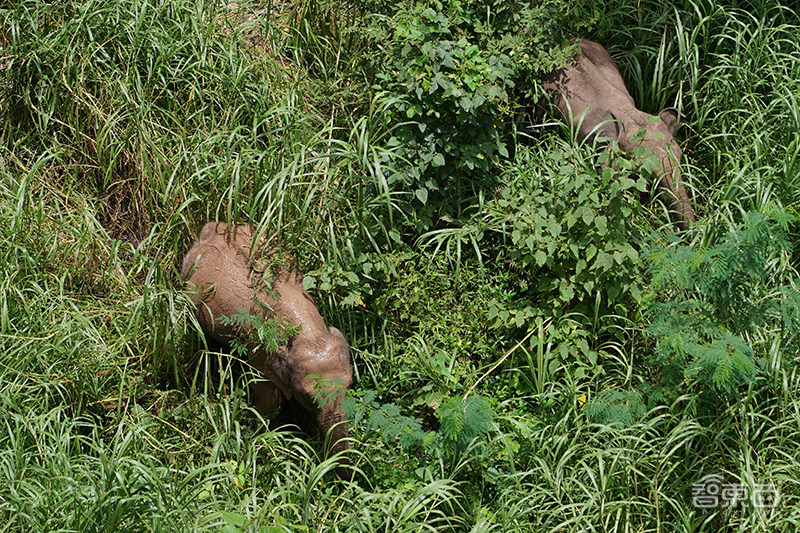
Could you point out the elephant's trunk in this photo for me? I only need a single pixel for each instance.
(331, 421)
(674, 195)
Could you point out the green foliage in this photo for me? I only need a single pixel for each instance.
(614, 407)
(573, 229)
(328, 41)
(267, 332)
(461, 420)
(453, 65)
(326, 391)
(721, 296)
(386, 419)
(454, 95)
(566, 231)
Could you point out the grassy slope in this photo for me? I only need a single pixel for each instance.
(129, 123)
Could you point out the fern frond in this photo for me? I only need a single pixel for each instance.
(462, 420)
(727, 362)
(616, 407)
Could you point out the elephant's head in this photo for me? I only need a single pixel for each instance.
(656, 133)
(320, 385)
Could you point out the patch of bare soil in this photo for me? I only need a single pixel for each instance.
(254, 24)
(123, 211)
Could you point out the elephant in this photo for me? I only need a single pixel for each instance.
(590, 95)
(228, 275)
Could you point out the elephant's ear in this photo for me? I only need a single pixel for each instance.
(669, 116)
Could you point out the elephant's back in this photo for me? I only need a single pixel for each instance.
(217, 271)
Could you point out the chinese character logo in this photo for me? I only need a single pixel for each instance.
(705, 493)
(712, 492)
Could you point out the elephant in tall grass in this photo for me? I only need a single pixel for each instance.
(238, 286)
(589, 94)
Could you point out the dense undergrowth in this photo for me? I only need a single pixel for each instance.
(535, 350)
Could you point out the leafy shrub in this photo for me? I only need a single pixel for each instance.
(268, 332)
(720, 298)
(385, 418)
(573, 228)
(461, 421)
(454, 65)
(454, 95)
(569, 234)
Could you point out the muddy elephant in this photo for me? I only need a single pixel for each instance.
(230, 276)
(589, 93)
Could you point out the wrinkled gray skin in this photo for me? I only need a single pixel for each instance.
(218, 269)
(593, 84)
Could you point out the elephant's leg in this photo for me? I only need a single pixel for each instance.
(265, 397)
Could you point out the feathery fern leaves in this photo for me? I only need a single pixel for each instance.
(616, 407)
(463, 419)
(726, 362)
(721, 297)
